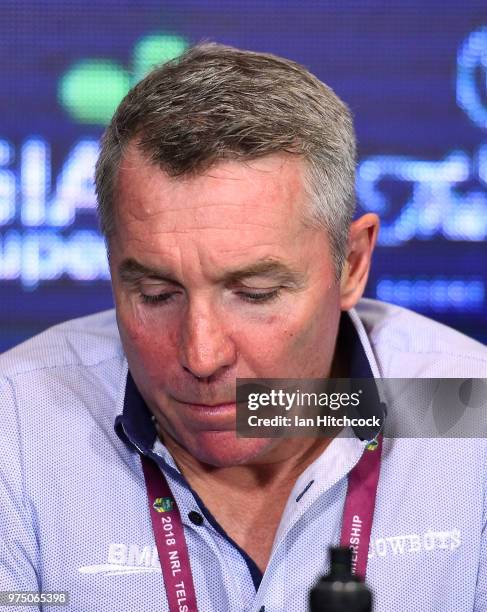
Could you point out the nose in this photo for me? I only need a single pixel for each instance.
(206, 346)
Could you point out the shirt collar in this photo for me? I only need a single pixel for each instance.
(134, 424)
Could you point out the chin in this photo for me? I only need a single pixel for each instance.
(224, 449)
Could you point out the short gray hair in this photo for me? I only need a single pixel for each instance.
(216, 102)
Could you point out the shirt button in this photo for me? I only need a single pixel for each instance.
(196, 518)
(262, 609)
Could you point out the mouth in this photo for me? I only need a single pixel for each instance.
(219, 405)
(210, 408)
(209, 417)
(213, 408)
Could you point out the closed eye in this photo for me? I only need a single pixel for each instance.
(253, 297)
(248, 296)
(158, 298)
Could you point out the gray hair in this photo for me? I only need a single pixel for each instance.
(216, 102)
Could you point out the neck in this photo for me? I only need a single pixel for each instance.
(277, 470)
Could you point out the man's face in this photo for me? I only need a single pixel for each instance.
(217, 277)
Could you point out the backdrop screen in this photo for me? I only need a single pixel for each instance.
(414, 74)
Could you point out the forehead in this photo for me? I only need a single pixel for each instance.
(271, 186)
(231, 216)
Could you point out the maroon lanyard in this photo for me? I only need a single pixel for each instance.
(170, 540)
(168, 528)
(358, 512)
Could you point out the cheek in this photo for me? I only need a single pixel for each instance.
(308, 322)
(149, 348)
(301, 343)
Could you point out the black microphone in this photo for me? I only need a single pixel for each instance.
(340, 590)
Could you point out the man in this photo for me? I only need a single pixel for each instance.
(225, 185)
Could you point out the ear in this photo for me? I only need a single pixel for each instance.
(361, 242)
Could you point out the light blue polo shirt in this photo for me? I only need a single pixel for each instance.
(73, 505)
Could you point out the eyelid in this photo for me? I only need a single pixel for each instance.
(157, 298)
(263, 297)
(154, 286)
(243, 285)
(155, 281)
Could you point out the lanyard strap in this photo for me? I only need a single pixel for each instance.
(171, 543)
(358, 511)
(168, 528)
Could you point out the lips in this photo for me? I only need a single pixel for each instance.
(210, 408)
(220, 405)
(209, 404)
(218, 415)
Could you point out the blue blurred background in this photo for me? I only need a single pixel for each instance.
(414, 74)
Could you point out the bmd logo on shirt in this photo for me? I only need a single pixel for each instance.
(125, 559)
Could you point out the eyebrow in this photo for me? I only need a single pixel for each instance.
(132, 271)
